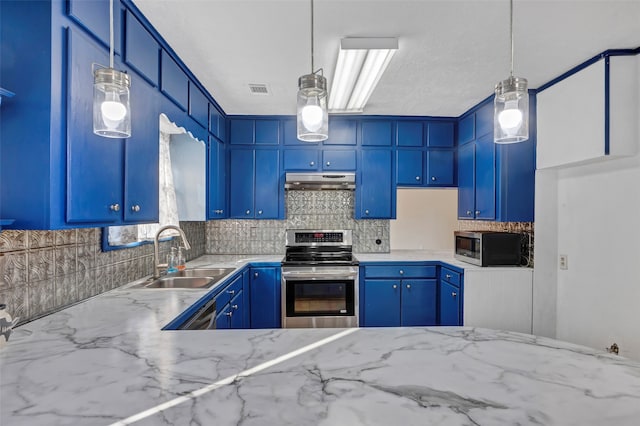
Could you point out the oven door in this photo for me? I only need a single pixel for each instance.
(319, 297)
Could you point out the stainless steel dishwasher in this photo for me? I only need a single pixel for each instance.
(203, 319)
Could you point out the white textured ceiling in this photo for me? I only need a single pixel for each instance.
(452, 52)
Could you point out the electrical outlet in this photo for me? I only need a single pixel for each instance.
(564, 261)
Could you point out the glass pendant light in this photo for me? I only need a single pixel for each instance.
(312, 115)
(111, 110)
(511, 105)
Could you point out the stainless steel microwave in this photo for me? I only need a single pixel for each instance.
(488, 248)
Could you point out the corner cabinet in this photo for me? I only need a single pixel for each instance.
(254, 180)
(495, 181)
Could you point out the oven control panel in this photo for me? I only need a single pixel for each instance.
(320, 237)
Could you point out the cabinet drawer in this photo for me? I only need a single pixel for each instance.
(400, 271)
(229, 292)
(450, 276)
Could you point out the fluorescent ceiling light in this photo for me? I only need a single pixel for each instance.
(361, 63)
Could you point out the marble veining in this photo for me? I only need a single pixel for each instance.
(106, 359)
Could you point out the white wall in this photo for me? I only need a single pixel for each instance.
(426, 219)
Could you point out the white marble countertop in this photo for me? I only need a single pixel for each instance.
(106, 361)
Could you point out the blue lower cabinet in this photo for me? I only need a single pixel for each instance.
(394, 303)
(265, 300)
(223, 320)
(450, 297)
(418, 305)
(237, 309)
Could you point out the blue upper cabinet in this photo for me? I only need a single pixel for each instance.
(467, 129)
(174, 83)
(377, 133)
(440, 168)
(198, 105)
(342, 131)
(375, 194)
(245, 131)
(254, 179)
(338, 160)
(94, 164)
(301, 159)
(216, 123)
(440, 134)
(141, 51)
(94, 17)
(495, 182)
(217, 172)
(409, 167)
(409, 133)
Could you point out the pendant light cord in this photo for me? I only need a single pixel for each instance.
(312, 37)
(511, 32)
(110, 33)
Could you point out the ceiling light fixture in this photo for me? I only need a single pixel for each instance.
(511, 105)
(361, 63)
(111, 110)
(313, 118)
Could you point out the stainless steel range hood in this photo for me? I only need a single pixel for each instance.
(314, 181)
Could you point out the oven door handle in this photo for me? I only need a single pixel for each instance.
(292, 276)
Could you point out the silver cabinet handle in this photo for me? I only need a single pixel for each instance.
(312, 163)
(433, 178)
(328, 163)
(408, 285)
(454, 294)
(114, 207)
(448, 276)
(468, 212)
(401, 272)
(417, 177)
(247, 212)
(477, 212)
(229, 314)
(235, 306)
(366, 212)
(231, 291)
(395, 286)
(218, 211)
(259, 211)
(135, 208)
(255, 274)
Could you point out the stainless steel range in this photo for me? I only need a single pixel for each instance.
(319, 279)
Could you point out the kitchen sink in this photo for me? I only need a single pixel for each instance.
(189, 278)
(203, 272)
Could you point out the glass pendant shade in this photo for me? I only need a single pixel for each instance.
(111, 109)
(511, 111)
(313, 118)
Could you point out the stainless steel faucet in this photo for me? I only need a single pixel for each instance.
(156, 265)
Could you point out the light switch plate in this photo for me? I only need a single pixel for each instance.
(564, 261)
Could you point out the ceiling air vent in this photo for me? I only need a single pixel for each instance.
(258, 89)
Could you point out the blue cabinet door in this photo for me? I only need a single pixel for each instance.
(376, 133)
(300, 159)
(216, 122)
(141, 155)
(217, 179)
(94, 164)
(466, 129)
(265, 292)
(267, 132)
(94, 16)
(440, 168)
(241, 132)
(141, 51)
(484, 120)
(449, 297)
(174, 83)
(374, 192)
(342, 131)
(418, 303)
(381, 303)
(269, 200)
(338, 160)
(409, 133)
(241, 186)
(198, 105)
(466, 181)
(223, 318)
(440, 134)
(237, 308)
(409, 167)
(485, 178)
